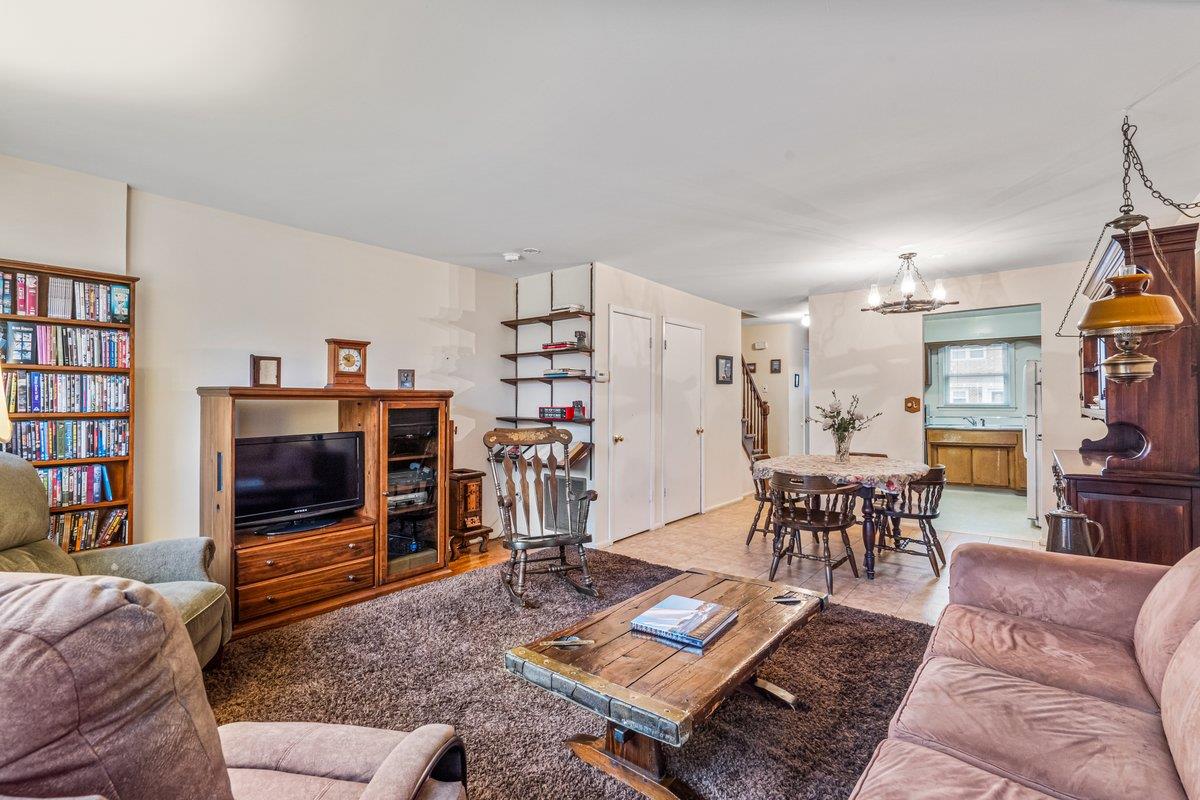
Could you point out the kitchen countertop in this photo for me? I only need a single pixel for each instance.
(975, 428)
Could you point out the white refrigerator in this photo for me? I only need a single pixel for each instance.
(1031, 439)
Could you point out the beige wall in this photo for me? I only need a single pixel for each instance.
(55, 216)
(726, 469)
(217, 287)
(880, 358)
(785, 341)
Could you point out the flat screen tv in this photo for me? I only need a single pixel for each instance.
(284, 484)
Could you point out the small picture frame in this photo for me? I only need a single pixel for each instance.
(776, 366)
(724, 369)
(266, 371)
(751, 366)
(406, 378)
(795, 380)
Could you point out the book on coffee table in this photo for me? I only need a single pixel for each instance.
(685, 620)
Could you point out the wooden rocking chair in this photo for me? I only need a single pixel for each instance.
(519, 457)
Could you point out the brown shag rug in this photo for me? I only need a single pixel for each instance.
(434, 653)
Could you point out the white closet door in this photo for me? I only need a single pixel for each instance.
(682, 420)
(631, 405)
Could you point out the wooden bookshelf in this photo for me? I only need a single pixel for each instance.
(119, 468)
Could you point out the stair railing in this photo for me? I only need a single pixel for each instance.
(755, 411)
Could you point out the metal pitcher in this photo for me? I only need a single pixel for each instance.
(1070, 531)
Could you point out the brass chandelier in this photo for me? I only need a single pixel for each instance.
(1129, 312)
(902, 297)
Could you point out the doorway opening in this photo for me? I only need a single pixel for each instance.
(983, 419)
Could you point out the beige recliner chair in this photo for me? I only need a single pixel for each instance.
(176, 568)
(102, 697)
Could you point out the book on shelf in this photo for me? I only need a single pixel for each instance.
(85, 530)
(685, 621)
(58, 297)
(66, 346)
(19, 294)
(32, 392)
(564, 372)
(558, 345)
(570, 308)
(74, 486)
(52, 440)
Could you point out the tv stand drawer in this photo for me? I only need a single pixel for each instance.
(267, 597)
(292, 556)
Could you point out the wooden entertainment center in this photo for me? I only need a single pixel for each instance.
(390, 543)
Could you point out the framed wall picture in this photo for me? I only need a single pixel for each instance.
(776, 366)
(751, 366)
(724, 369)
(406, 378)
(266, 371)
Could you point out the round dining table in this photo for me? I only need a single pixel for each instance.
(870, 472)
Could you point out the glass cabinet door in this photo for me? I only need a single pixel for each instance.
(412, 496)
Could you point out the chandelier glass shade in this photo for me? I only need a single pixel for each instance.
(902, 297)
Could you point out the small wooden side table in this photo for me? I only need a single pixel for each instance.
(466, 511)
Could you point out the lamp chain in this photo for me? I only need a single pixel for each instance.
(1133, 160)
(1079, 286)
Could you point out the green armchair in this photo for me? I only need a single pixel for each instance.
(176, 568)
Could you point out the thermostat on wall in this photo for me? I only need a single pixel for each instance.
(759, 346)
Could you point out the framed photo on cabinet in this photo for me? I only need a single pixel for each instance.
(266, 371)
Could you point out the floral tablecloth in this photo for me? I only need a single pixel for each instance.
(889, 474)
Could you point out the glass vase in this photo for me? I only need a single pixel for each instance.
(841, 448)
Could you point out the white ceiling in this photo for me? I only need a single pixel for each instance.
(750, 152)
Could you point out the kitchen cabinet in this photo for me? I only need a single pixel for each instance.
(978, 457)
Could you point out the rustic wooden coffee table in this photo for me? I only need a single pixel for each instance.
(653, 693)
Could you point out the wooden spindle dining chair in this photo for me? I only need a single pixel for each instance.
(819, 506)
(539, 507)
(762, 494)
(919, 501)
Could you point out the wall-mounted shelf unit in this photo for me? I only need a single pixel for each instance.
(548, 318)
(67, 343)
(549, 354)
(547, 379)
(535, 324)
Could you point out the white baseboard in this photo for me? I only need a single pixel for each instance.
(724, 503)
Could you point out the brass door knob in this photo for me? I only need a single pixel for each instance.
(617, 438)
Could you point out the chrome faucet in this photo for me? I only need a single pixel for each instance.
(974, 422)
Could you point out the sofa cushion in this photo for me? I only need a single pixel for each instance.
(266, 784)
(40, 556)
(344, 752)
(120, 710)
(26, 517)
(200, 603)
(1063, 743)
(902, 770)
(1181, 710)
(1043, 652)
(1170, 611)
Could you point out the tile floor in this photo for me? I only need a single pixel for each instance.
(992, 512)
(904, 585)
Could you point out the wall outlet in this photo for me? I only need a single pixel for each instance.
(601, 376)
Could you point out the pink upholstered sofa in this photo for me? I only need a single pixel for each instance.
(101, 696)
(1052, 675)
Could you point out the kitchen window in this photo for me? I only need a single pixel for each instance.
(978, 374)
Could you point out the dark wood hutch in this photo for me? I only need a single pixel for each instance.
(1141, 481)
(395, 540)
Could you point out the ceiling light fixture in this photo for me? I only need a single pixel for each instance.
(1129, 312)
(906, 301)
(531, 251)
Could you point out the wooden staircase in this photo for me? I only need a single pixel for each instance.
(755, 411)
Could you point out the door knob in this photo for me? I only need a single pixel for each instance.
(617, 438)
(699, 431)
